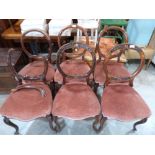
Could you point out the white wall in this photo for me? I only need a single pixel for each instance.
(140, 31)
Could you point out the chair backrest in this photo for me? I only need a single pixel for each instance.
(73, 27)
(115, 52)
(20, 78)
(47, 37)
(108, 43)
(73, 45)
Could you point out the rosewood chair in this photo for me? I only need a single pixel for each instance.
(34, 68)
(115, 66)
(76, 99)
(31, 99)
(73, 63)
(119, 100)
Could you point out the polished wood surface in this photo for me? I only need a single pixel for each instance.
(12, 32)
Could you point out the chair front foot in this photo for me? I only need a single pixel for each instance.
(139, 122)
(8, 122)
(54, 124)
(98, 123)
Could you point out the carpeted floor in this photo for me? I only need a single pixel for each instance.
(144, 84)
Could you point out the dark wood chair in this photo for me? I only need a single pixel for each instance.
(70, 65)
(115, 67)
(34, 68)
(120, 100)
(31, 99)
(75, 99)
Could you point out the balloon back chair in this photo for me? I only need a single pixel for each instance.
(76, 99)
(73, 63)
(103, 47)
(119, 100)
(31, 99)
(34, 68)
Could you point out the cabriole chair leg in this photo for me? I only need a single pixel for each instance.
(139, 122)
(54, 124)
(99, 122)
(8, 122)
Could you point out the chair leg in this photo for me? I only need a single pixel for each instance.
(54, 124)
(148, 63)
(96, 85)
(57, 86)
(139, 122)
(8, 122)
(53, 89)
(99, 122)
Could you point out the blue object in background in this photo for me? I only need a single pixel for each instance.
(140, 30)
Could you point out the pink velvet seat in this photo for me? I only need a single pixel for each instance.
(35, 68)
(122, 102)
(76, 101)
(72, 67)
(114, 69)
(28, 104)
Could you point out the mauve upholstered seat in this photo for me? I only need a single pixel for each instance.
(28, 104)
(123, 103)
(36, 68)
(76, 101)
(72, 67)
(114, 69)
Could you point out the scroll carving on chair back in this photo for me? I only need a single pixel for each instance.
(19, 78)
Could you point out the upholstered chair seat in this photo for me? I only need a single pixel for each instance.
(114, 69)
(122, 102)
(76, 101)
(35, 68)
(72, 67)
(28, 104)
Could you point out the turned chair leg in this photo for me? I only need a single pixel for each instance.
(54, 124)
(139, 122)
(99, 122)
(8, 122)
